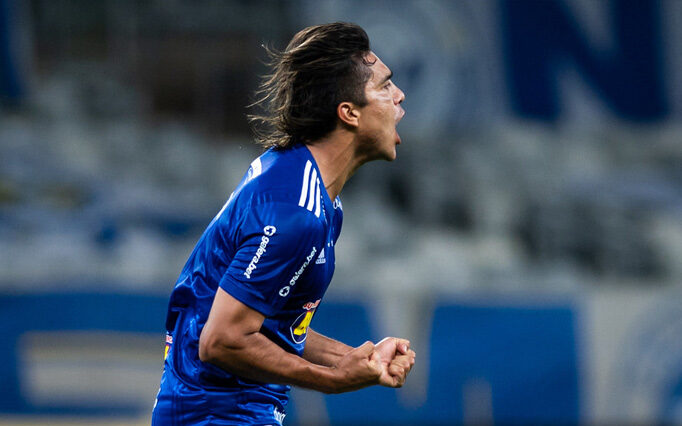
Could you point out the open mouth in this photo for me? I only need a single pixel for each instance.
(399, 116)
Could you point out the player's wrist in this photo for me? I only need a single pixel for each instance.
(315, 377)
(330, 379)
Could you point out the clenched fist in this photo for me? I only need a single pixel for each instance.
(359, 368)
(397, 360)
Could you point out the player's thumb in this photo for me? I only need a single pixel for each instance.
(402, 346)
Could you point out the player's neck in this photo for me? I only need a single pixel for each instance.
(336, 158)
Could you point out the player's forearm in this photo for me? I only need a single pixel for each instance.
(256, 357)
(322, 350)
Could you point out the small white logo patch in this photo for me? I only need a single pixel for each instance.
(320, 259)
(279, 416)
(269, 230)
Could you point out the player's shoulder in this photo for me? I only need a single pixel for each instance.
(287, 178)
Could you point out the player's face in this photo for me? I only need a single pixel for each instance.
(378, 119)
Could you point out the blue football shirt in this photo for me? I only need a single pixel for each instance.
(272, 248)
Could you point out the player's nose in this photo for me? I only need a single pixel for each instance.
(399, 96)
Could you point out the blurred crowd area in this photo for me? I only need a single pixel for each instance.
(123, 131)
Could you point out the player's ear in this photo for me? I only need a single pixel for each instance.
(348, 113)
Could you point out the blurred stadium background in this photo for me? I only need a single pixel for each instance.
(528, 240)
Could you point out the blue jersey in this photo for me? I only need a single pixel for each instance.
(272, 248)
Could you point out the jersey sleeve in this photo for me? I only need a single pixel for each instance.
(276, 244)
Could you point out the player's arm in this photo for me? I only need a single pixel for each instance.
(322, 350)
(231, 339)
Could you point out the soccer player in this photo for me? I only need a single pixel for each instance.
(239, 316)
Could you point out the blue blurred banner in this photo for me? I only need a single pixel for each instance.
(488, 364)
(543, 38)
(612, 358)
(57, 315)
(512, 364)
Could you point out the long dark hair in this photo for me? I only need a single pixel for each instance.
(322, 66)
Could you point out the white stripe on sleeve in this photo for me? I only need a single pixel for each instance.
(304, 187)
(311, 199)
(317, 199)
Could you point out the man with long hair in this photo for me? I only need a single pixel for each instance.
(239, 316)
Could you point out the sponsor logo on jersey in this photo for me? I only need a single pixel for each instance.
(311, 305)
(292, 282)
(169, 342)
(279, 416)
(320, 259)
(269, 231)
(337, 203)
(255, 170)
(299, 328)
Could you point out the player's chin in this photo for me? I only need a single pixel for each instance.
(391, 151)
(394, 147)
(390, 155)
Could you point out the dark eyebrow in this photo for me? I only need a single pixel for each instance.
(385, 79)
